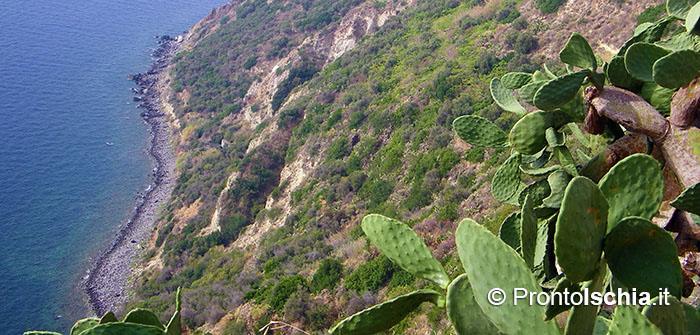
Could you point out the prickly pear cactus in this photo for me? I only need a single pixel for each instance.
(582, 318)
(384, 316)
(633, 187)
(559, 91)
(668, 316)
(554, 309)
(486, 258)
(144, 317)
(584, 212)
(174, 326)
(578, 52)
(627, 320)
(689, 200)
(108, 317)
(643, 256)
(84, 324)
(640, 59)
(123, 328)
(403, 247)
(505, 98)
(516, 80)
(528, 135)
(506, 181)
(510, 231)
(479, 132)
(528, 232)
(463, 311)
(676, 69)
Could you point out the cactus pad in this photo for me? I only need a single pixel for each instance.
(464, 313)
(557, 184)
(689, 200)
(578, 52)
(582, 318)
(692, 19)
(123, 328)
(646, 32)
(554, 138)
(486, 259)
(402, 246)
(669, 316)
(506, 181)
(504, 98)
(381, 317)
(527, 92)
(627, 320)
(83, 325)
(642, 255)
(657, 96)
(618, 75)
(679, 42)
(633, 187)
(108, 317)
(528, 232)
(528, 134)
(555, 309)
(479, 132)
(676, 69)
(640, 59)
(515, 80)
(144, 317)
(510, 230)
(580, 230)
(557, 92)
(540, 171)
(564, 157)
(174, 326)
(692, 319)
(537, 192)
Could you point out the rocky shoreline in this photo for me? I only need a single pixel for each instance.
(107, 283)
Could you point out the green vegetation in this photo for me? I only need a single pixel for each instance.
(382, 129)
(136, 322)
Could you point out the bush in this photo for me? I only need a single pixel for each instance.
(377, 191)
(549, 6)
(485, 63)
(327, 276)
(525, 43)
(370, 276)
(283, 290)
(339, 148)
(250, 62)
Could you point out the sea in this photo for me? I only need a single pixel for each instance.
(64, 98)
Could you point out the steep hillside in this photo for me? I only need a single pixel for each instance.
(297, 118)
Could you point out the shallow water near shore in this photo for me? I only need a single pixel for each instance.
(64, 193)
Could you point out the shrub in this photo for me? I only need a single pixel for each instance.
(283, 290)
(549, 6)
(327, 276)
(339, 148)
(485, 63)
(371, 275)
(250, 62)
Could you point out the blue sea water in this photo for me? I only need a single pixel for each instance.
(63, 95)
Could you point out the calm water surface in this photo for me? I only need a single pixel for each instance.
(63, 95)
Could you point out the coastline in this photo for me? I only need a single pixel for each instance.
(108, 280)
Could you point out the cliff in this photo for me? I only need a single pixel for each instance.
(297, 118)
